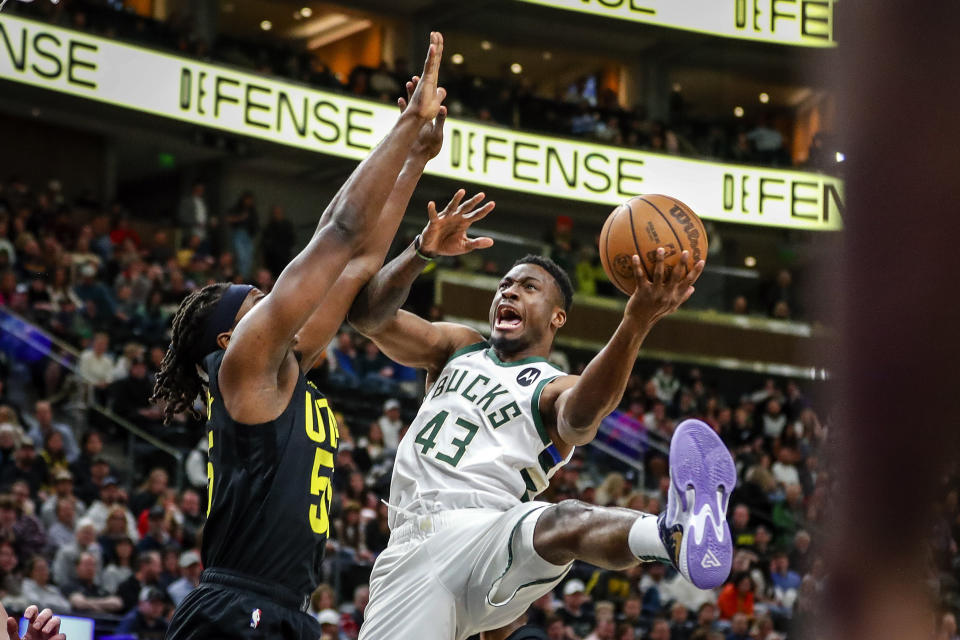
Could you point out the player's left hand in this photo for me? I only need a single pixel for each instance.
(43, 625)
(446, 231)
(663, 292)
(430, 139)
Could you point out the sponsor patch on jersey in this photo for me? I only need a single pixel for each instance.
(528, 376)
(255, 618)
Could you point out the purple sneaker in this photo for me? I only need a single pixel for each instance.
(694, 526)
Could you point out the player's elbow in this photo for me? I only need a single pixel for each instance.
(347, 225)
(576, 433)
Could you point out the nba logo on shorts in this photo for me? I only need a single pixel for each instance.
(528, 376)
(255, 619)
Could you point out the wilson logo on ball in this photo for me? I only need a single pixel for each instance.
(690, 228)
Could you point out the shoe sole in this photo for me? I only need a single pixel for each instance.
(702, 477)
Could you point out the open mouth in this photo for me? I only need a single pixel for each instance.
(507, 318)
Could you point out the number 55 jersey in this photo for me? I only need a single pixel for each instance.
(269, 488)
(478, 440)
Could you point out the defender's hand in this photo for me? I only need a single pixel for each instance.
(430, 139)
(427, 97)
(661, 294)
(446, 232)
(43, 625)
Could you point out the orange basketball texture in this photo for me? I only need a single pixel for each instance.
(641, 225)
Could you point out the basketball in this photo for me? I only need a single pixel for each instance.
(641, 225)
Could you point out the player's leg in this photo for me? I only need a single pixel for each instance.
(692, 533)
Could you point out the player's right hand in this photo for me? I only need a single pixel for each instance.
(427, 96)
(446, 231)
(662, 293)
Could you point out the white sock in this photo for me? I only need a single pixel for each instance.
(644, 539)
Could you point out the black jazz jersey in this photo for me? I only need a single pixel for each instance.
(269, 488)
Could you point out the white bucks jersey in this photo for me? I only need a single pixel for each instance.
(478, 440)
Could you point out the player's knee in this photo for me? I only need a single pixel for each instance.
(567, 518)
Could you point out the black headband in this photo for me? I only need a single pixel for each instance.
(221, 319)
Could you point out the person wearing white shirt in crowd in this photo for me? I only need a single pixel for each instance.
(61, 532)
(111, 498)
(784, 470)
(41, 424)
(391, 424)
(65, 561)
(37, 588)
(191, 569)
(666, 383)
(96, 365)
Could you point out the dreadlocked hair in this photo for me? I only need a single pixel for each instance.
(178, 382)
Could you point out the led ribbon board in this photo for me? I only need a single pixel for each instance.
(800, 23)
(287, 113)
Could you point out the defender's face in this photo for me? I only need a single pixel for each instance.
(523, 308)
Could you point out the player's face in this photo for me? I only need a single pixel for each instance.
(525, 309)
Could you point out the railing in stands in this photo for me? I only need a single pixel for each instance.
(39, 343)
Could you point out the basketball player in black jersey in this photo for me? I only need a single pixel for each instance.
(272, 437)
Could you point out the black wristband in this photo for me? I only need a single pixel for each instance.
(416, 249)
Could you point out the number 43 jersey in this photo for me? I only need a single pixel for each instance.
(269, 488)
(478, 439)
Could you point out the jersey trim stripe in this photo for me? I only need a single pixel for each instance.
(535, 410)
(496, 583)
(462, 351)
(500, 363)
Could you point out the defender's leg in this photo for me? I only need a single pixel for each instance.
(692, 534)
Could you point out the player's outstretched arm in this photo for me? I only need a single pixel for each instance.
(267, 331)
(326, 319)
(578, 404)
(405, 337)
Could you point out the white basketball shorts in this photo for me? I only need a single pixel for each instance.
(453, 574)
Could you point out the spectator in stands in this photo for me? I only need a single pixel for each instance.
(681, 626)
(801, 556)
(28, 466)
(82, 591)
(157, 535)
(146, 620)
(739, 627)
(784, 469)
(64, 561)
(329, 621)
(62, 490)
(96, 365)
(25, 530)
(243, 222)
(55, 457)
(131, 397)
(391, 424)
(26, 507)
(112, 504)
(788, 514)
(195, 220)
(43, 425)
(767, 141)
(11, 582)
(146, 575)
(191, 569)
(94, 475)
(737, 596)
(37, 588)
(170, 565)
(343, 362)
(786, 583)
(150, 492)
(61, 531)
(739, 527)
(9, 438)
(120, 566)
(604, 627)
(574, 613)
(277, 241)
(774, 420)
(650, 585)
(191, 515)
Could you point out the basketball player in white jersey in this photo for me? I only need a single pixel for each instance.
(470, 549)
